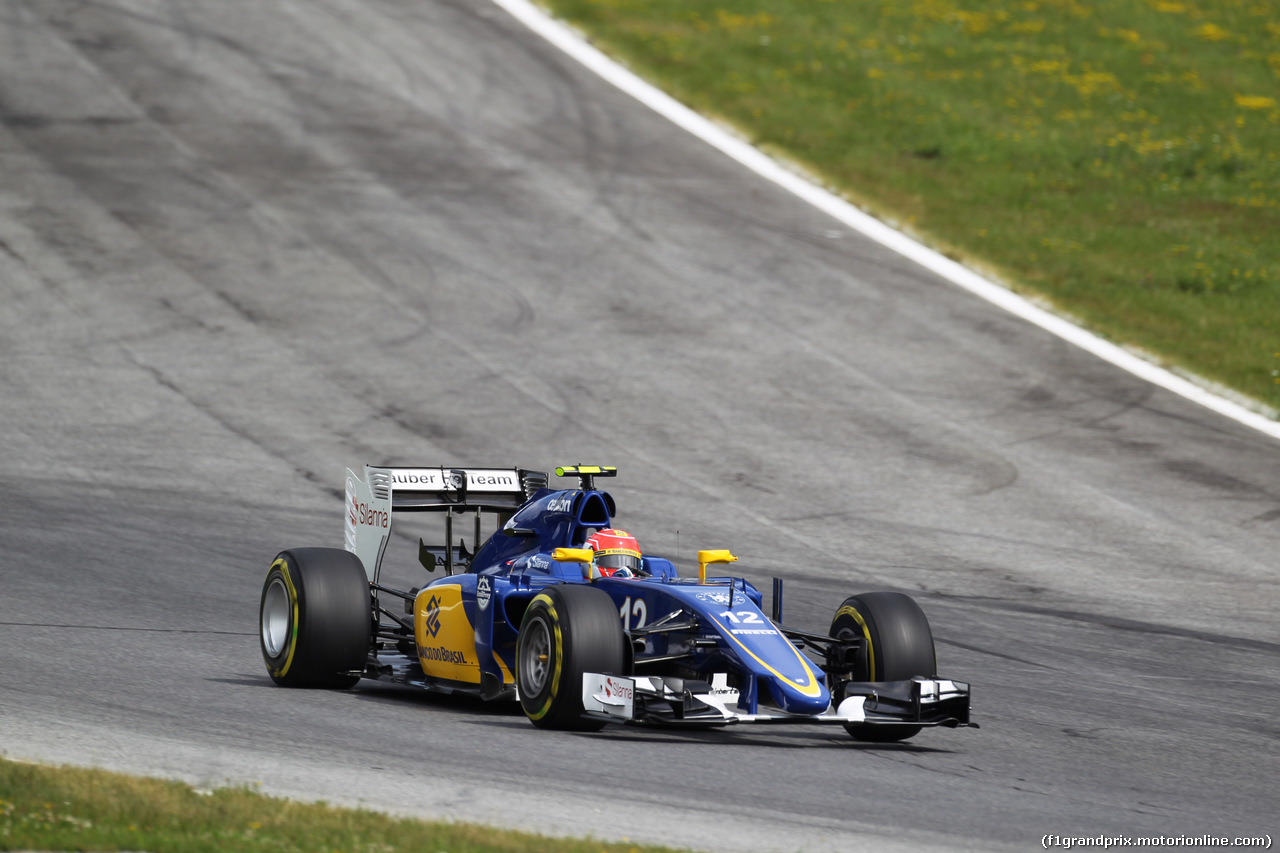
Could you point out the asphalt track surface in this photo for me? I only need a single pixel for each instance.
(246, 244)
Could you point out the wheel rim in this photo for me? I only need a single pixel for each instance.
(276, 611)
(535, 657)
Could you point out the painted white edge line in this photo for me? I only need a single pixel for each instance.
(573, 44)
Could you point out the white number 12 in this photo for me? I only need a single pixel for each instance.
(749, 617)
(635, 608)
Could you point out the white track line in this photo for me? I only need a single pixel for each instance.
(571, 43)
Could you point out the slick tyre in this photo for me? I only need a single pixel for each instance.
(567, 630)
(316, 618)
(898, 646)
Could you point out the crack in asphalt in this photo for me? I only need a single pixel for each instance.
(126, 628)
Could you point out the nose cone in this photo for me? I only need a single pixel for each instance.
(796, 699)
(794, 682)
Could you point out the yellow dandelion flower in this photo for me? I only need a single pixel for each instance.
(1255, 102)
(1212, 32)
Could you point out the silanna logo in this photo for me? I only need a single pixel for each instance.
(361, 514)
(433, 616)
(618, 689)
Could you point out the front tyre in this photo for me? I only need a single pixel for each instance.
(898, 645)
(316, 618)
(567, 630)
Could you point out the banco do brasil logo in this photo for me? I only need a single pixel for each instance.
(433, 615)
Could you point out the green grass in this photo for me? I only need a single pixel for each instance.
(47, 808)
(1119, 159)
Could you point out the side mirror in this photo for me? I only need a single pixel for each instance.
(519, 532)
(576, 555)
(711, 558)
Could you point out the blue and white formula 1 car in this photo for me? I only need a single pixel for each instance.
(526, 616)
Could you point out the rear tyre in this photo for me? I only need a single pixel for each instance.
(567, 630)
(898, 646)
(316, 618)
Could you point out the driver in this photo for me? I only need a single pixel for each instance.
(617, 553)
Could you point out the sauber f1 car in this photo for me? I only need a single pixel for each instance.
(528, 615)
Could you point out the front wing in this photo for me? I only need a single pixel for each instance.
(666, 701)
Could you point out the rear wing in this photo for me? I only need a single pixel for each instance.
(371, 500)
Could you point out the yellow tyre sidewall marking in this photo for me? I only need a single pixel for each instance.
(559, 650)
(866, 632)
(283, 565)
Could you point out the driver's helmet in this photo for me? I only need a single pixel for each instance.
(617, 552)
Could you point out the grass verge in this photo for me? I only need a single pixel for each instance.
(1119, 159)
(48, 808)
